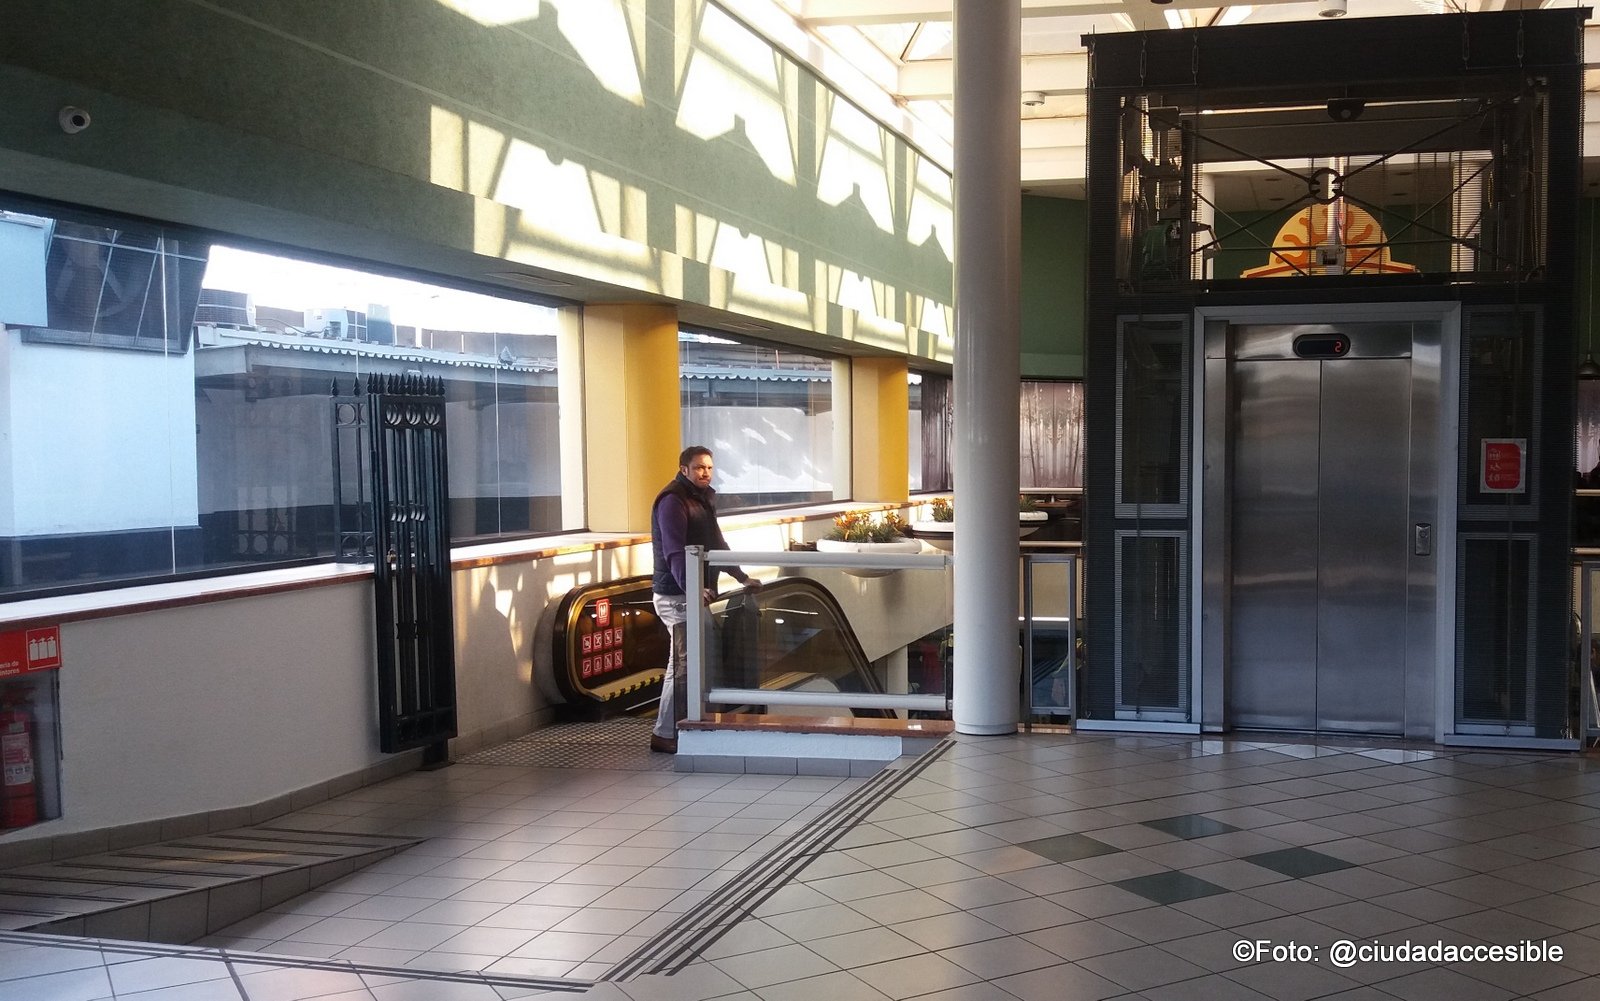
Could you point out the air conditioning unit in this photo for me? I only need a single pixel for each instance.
(337, 324)
(225, 308)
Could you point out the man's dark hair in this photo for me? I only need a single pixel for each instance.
(691, 453)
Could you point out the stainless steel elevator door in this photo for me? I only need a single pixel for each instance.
(1320, 527)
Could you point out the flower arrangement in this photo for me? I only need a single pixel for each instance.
(859, 526)
(944, 509)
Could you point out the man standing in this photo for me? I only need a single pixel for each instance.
(684, 514)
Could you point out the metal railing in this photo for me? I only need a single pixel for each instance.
(700, 693)
(1588, 656)
(1050, 689)
(1049, 633)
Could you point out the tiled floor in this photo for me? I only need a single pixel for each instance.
(1033, 867)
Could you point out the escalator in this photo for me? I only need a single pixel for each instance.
(609, 650)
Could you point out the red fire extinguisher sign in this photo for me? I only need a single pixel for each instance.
(26, 650)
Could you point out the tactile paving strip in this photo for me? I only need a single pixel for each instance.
(620, 744)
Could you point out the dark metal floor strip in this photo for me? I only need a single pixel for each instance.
(207, 860)
(6, 878)
(683, 941)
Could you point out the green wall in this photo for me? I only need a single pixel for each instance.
(655, 149)
(1054, 262)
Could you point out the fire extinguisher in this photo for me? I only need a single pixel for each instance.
(19, 795)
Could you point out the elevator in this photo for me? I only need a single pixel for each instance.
(1322, 521)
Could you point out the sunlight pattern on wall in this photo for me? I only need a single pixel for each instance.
(853, 163)
(740, 182)
(736, 82)
(596, 29)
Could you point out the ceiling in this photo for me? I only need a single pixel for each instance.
(901, 48)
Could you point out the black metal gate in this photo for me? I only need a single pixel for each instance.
(402, 524)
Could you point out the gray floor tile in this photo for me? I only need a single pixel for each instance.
(1088, 928)
(820, 922)
(1000, 957)
(839, 985)
(1067, 980)
(1445, 985)
(1297, 863)
(865, 948)
(1169, 887)
(914, 976)
(945, 931)
(747, 937)
(1141, 968)
(1190, 826)
(1026, 914)
(774, 966)
(1079, 941)
(1068, 847)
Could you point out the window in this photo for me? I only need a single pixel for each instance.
(119, 288)
(208, 447)
(936, 427)
(1052, 434)
(767, 415)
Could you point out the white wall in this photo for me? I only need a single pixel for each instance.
(101, 440)
(24, 246)
(211, 706)
(231, 703)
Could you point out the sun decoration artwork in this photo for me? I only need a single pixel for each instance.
(1361, 246)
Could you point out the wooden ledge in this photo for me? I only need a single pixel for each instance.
(872, 727)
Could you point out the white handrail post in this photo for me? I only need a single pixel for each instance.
(694, 573)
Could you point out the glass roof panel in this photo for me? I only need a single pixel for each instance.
(932, 42)
(890, 38)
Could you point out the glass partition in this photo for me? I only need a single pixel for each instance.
(168, 400)
(829, 635)
(1052, 634)
(766, 412)
(1587, 663)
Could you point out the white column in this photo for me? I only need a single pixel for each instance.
(988, 344)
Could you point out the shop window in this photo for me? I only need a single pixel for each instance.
(766, 413)
(210, 450)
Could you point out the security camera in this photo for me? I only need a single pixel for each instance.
(1346, 109)
(1332, 8)
(1033, 98)
(73, 120)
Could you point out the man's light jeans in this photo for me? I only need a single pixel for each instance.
(673, 611)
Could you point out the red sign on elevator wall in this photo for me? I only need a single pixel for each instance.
(1504, 466)
(26, 650)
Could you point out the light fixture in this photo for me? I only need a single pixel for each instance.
(1589, 368)
(1332, 8)
(1032, 98)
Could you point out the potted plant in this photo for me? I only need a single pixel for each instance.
(860, 532)
(941, 529)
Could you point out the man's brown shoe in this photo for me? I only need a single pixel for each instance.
(666, 745)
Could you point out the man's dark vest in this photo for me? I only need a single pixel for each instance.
(700, 505)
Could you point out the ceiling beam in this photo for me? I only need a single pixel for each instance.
(820, 13)
(934, 79)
